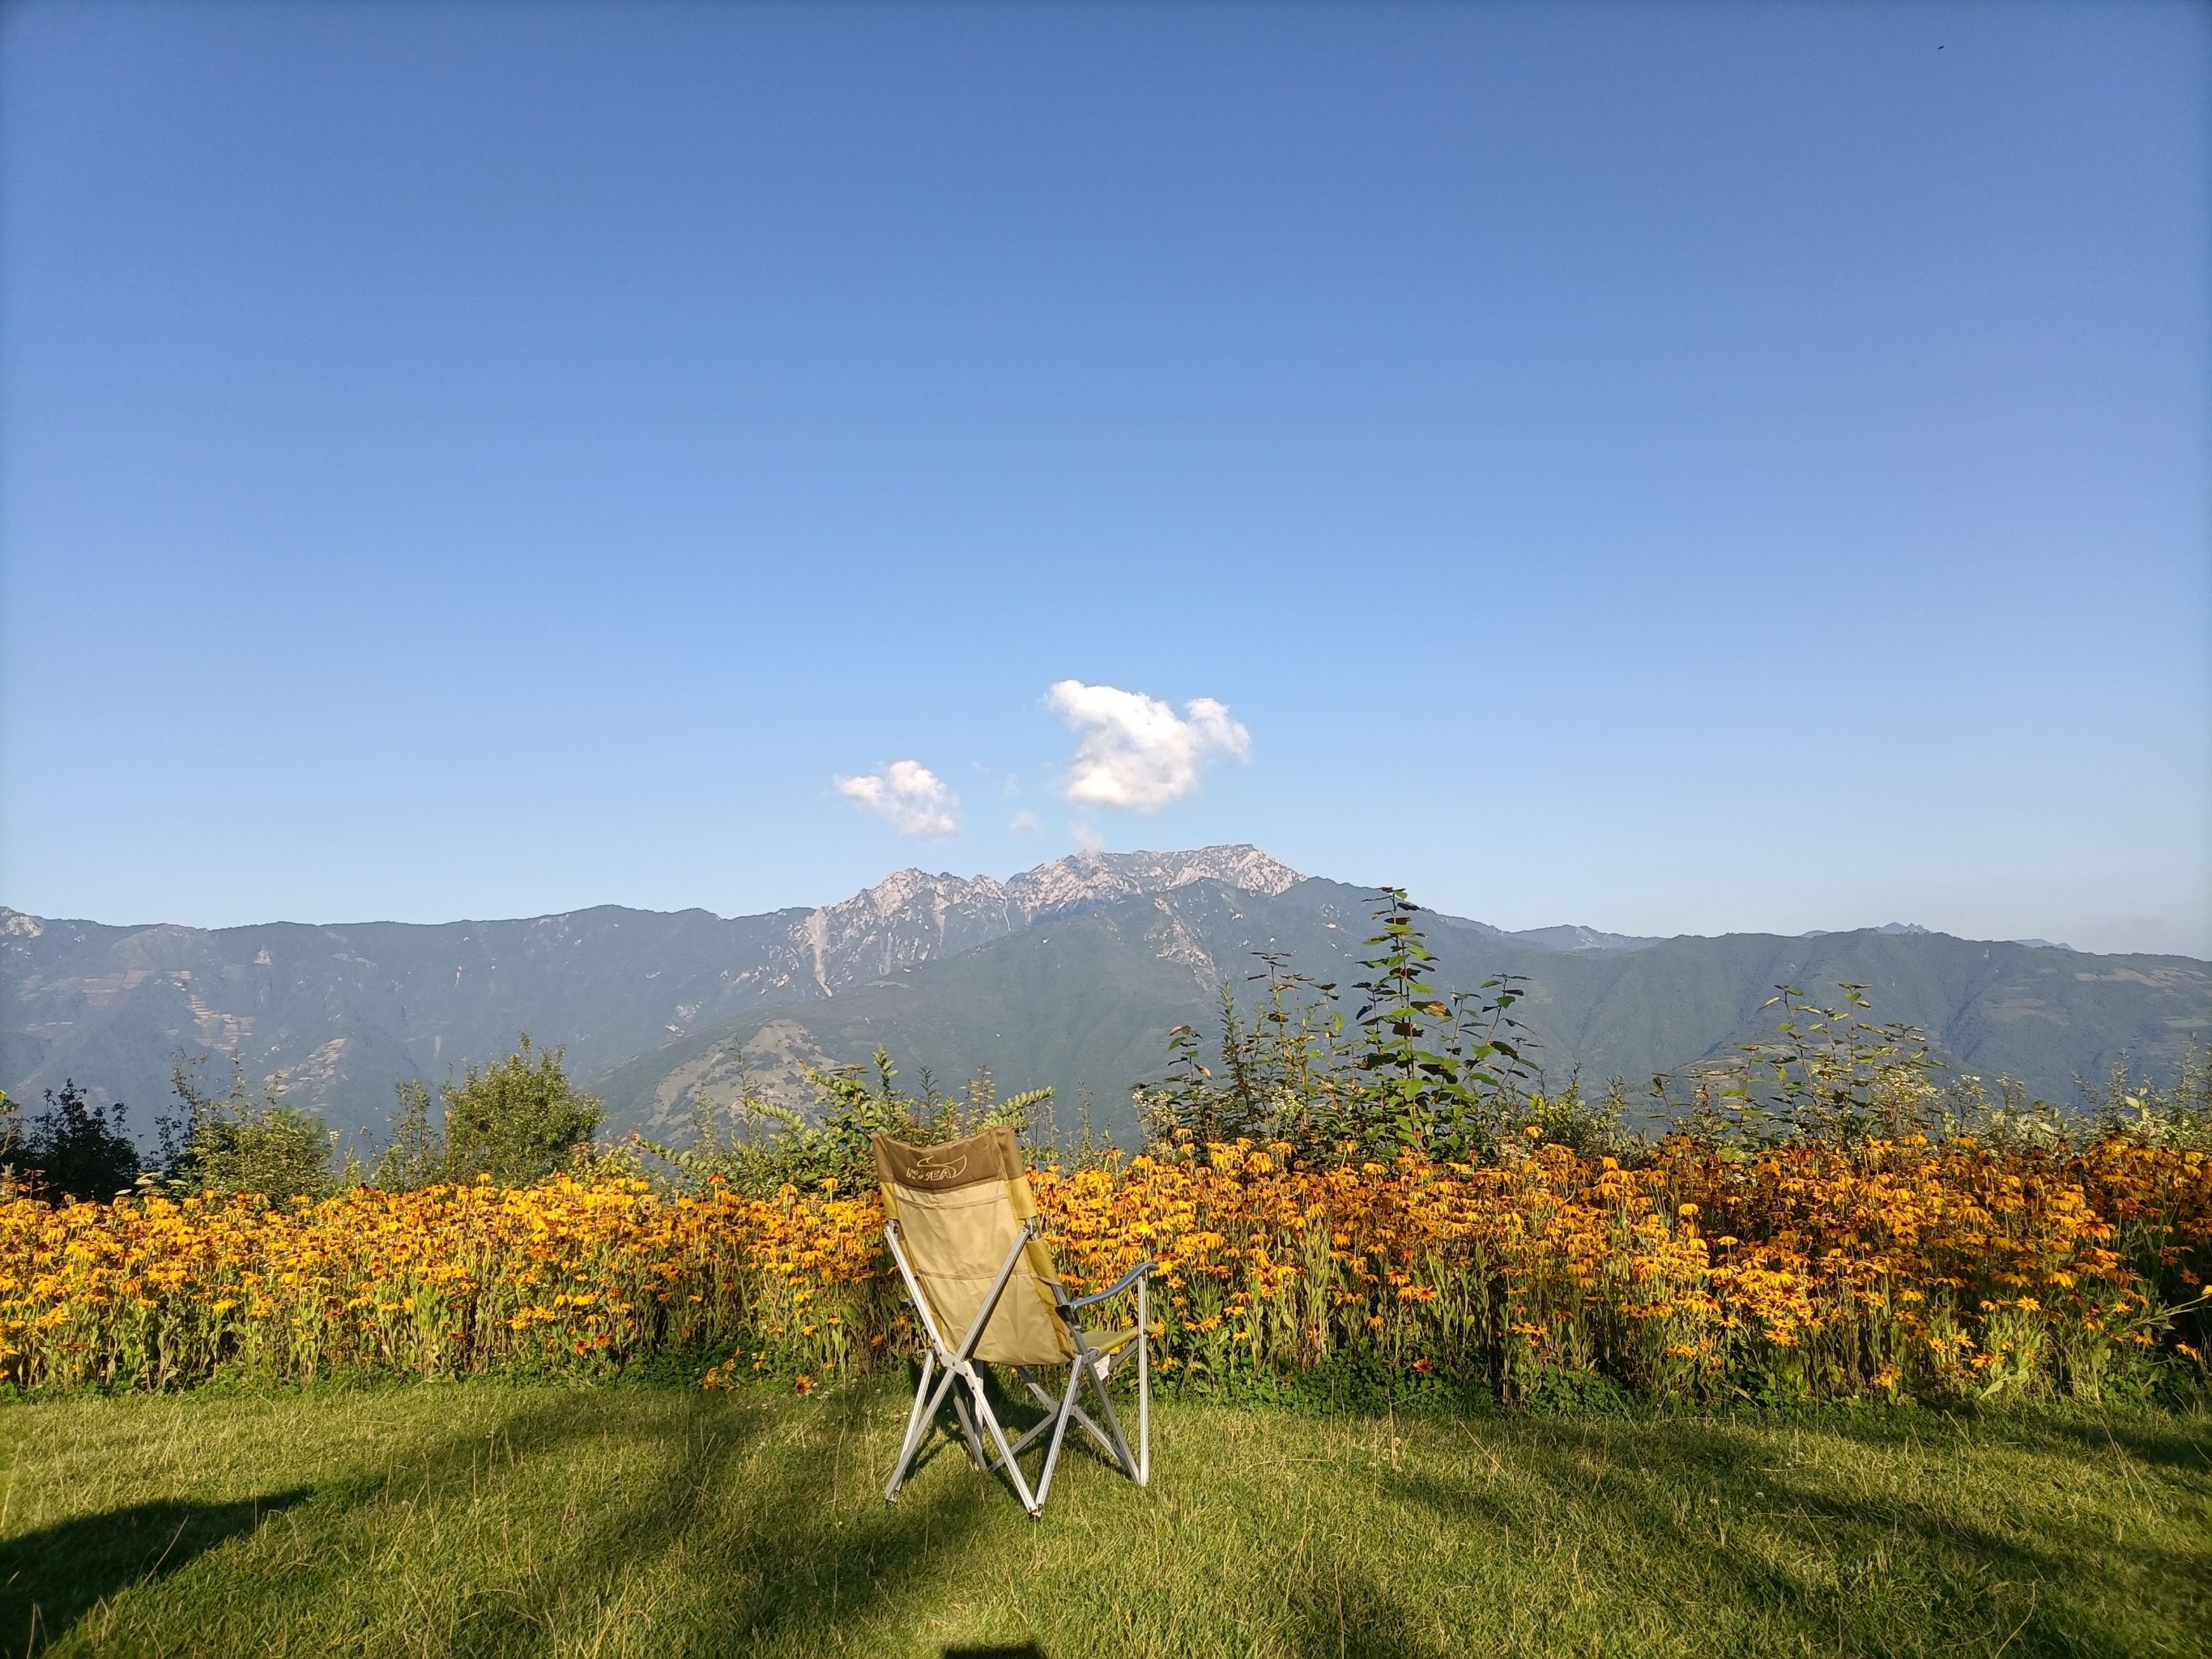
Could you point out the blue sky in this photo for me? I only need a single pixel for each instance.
(1675, 469)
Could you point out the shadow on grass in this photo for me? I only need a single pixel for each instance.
(49, 1579)
(1720, 1514)
(721, 1523)
(1338, 1609)
(2182, 1445)
(1877, 1553)
(1018, 1412)
(793, 1560)
(767, 1553)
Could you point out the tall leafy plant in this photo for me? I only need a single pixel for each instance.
(239, 1142)
(11, 1139)
(1830, 1074)
(1834, 1074)
(1415, 1067)
(1441, 1069)
(765, 1145)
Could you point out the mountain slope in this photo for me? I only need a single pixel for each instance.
(343, 1012)
(1070, 974)
(1085, 1003)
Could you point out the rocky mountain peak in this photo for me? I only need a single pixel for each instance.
(912, 916)
(1086, 878)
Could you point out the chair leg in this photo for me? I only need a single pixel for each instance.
(925, 1402)
(1005, 1459)
(1089, 1425)
(1113, 1423)
(1059, 1432)
(914, 1418)
(1144, 1392)
(967, 1432)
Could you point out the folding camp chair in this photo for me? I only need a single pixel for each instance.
(963, 1228)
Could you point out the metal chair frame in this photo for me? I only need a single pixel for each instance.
(949, 1364)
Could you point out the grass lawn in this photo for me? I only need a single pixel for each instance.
(488, 1518)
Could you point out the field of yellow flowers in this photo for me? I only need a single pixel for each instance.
(1885, 1270)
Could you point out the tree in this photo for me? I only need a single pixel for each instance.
(11, 1140)
(415, 1156)
(517, 1121)
(76, 1150)
(239, 1143)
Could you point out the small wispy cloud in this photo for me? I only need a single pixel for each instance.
(1024, 823)
(1136, 750)
(908, 796)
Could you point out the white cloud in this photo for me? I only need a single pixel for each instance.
(907, 795)
(1135, 751)
(1024, 823)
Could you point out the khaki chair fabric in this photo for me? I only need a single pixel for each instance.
(962, 1225)
(960, 1208)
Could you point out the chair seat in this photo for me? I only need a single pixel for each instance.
(962, 1226)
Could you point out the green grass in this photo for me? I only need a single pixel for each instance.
(485, 1518)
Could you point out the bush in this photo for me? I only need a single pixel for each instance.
(517, 1121)
(12, 1176)
(769, 1146)
(74, 1149)
(239, 1143)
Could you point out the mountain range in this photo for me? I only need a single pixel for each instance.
(1070, 974)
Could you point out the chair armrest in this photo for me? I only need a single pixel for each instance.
(1116, 1289)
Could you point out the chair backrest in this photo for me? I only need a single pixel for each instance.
(959, 1207)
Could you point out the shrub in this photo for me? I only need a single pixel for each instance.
(515, 1122)
(237, 1143)
(73, 1148)
(518, 1120)
(767, 1146)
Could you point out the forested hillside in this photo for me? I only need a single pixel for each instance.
(1085, 1003)
(1069, 974)
(341, 1013)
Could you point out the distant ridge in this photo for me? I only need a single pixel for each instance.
(1914, 927)
(1083, 1002)
(338, 1013)
(1069, 973)
(1566, 938)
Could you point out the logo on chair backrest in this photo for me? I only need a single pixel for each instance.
(930, 1167)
